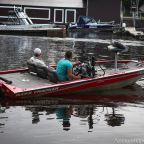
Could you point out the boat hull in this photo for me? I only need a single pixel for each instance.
(26, 89)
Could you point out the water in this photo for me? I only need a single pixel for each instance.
(16, 50)
(52, 121)
(105, 118)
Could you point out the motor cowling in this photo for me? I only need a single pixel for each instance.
(116, 46)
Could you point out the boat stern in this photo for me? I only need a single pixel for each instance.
(7, 90)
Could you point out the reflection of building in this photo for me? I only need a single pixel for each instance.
(63, 11)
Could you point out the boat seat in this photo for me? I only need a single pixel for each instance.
(43, 72)
(31, 67)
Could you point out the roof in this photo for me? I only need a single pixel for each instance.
(49, 3)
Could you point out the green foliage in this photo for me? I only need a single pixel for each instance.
(127, 3)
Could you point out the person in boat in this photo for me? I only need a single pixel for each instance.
(37, 58)
(64, 68)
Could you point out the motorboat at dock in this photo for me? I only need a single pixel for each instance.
(87, 23)
(20, 24)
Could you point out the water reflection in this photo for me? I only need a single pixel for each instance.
(113, 115)
(64, 114)
(88, 114)
(114, 119)
(83, 105)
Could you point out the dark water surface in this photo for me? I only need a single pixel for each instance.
(104, 118)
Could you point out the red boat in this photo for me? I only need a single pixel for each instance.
(38, 81)
(31, 82)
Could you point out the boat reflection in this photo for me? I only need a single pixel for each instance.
(90, 108)
(64, 114)
(114, 119)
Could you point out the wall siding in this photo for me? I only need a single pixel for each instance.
(105, 10)
(50, 3)
(97, 9)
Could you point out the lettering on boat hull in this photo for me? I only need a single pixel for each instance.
(38, 92)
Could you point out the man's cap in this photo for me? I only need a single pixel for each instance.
(37, 51)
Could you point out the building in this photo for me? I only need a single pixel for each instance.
(62, 11)
(105, 10)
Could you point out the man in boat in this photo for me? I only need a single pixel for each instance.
(37, 58)
(64, 68)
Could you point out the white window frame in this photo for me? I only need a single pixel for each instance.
(48, 9)
(55, 15)
(73, 10)
(6, 7)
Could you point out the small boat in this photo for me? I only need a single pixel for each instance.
(22, 83)
(19, 20)
(36, 81)
(85, 22)
(20, 24)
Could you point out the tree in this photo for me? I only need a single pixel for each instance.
(127, 4)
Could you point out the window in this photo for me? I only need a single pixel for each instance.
(38, 13)
(58, 16)
(4, 11)
(70, 15)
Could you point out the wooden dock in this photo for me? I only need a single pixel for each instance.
(49, 32)
(133, 32)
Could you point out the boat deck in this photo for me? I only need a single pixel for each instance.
(26, 80)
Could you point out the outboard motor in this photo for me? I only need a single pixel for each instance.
(117, 47)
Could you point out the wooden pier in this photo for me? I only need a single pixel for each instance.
(49, 32)
(133, 32)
